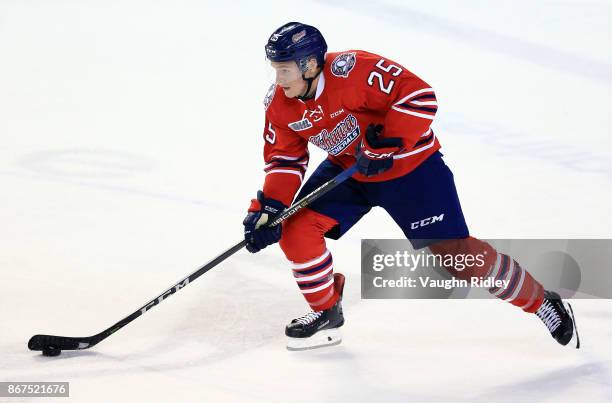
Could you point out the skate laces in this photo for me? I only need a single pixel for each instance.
(549, 315)
(309, 317)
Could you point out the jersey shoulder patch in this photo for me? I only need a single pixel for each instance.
(343, 64)
(269, 96)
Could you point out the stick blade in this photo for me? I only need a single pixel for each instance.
(42, 342)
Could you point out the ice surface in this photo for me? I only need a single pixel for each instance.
(130, 147)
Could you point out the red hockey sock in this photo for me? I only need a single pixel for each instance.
(303, 243)
(522, 289)
(316, 281)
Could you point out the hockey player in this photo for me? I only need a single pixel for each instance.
(368, 110)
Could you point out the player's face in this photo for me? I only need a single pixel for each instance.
(289, 77)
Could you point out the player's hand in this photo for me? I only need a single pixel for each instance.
(256, 233)
(375, 153)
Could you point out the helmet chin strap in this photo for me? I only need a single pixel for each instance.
(306, 97)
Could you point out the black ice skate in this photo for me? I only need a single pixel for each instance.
(318, 329)
(558, 317)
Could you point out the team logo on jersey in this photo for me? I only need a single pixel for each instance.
(339, 138)
(314, 114)
(300, 125)
(343, 64)
(269, 96)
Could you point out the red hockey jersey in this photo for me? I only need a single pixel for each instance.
(356, 88)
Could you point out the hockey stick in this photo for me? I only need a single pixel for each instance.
(53, 345)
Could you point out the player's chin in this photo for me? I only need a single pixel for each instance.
(289, 92)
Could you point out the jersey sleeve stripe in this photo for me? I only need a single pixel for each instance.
(424, 140)
(431, 143)
(415, 93)
(287, 157)
(407, 112)
(303, 160)
(423, 97)
(297, 165)
(424, 103)
(287, 164)
(285, 171)
(419, 108)
(421, 103)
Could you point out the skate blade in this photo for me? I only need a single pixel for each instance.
(323, 338)
(575, 336)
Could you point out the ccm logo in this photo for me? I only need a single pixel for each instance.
(337, 113)
(372, 155)
(159, 299)
(427, 221)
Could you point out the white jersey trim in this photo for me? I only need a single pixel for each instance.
(407, 97)
(320, 86)
(285, 157)
(284, 171)
(271, 164)
(419, 115)
(424, 103)
(427, 133)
